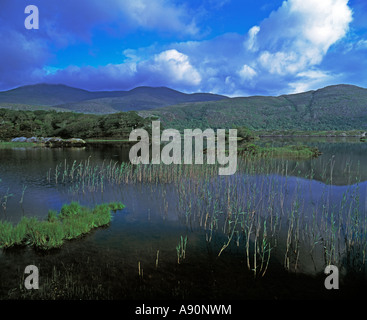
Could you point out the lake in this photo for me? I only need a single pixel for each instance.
(266, 232)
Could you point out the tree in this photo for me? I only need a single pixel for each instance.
(245, 134)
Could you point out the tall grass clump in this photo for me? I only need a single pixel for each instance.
(45, 235)
(12, 235)
(72, 222)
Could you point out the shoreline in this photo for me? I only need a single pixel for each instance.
(308, 136)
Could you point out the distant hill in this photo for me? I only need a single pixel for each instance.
(44, 95)
(339, 107)
(67, 98)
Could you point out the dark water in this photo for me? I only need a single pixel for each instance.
(105, 264)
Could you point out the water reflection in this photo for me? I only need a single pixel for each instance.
(343, 160)
(302, 210)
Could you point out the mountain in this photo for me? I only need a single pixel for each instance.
(141, 98)
(44, 95)
(62, 97)
(339, 107)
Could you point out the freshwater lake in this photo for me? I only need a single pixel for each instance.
(265, 233)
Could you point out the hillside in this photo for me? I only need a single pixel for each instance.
(340, 107)
(67, 98)
(44, 95)
(142, 98)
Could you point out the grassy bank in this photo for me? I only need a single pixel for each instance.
(290, 151)
(310, 133)
(71, 222)
(10, 145)
(108, 140)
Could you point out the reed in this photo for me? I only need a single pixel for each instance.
(181, 249)
(264, 204)
(157, 260)
(11, 236)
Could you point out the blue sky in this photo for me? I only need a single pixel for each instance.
(232, 47)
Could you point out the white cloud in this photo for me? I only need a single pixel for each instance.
(247, 73)
(250, 43)
(299, 34)
(159, 15)
(361, 44)
(309, 80)
(284, 52)
(176, 66)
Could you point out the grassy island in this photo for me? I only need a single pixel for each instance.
(71, 222)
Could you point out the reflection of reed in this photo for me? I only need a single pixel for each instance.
(181, 249)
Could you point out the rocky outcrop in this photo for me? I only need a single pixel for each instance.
(53, 142)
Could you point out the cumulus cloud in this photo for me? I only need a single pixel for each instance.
(158, 15)
(284, 53)
(299, 34)
(247, 73)
(176, 66)
(26, 57)
(168, 68)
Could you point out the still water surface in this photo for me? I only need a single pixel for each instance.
(145, 234)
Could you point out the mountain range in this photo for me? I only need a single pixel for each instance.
(337, 107)
(65, 98)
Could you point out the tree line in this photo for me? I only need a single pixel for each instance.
(40, 123)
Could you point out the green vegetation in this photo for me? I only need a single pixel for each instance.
(291, 151)
(26, 107)
(245, 134)
(10, 145)
(65, 98)
(310, 133)
(341, 107)
(68, 125)
(72, 222)
(181, 249)
(260, 213)
(287, 152)
(107, 140)
(247, 147)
